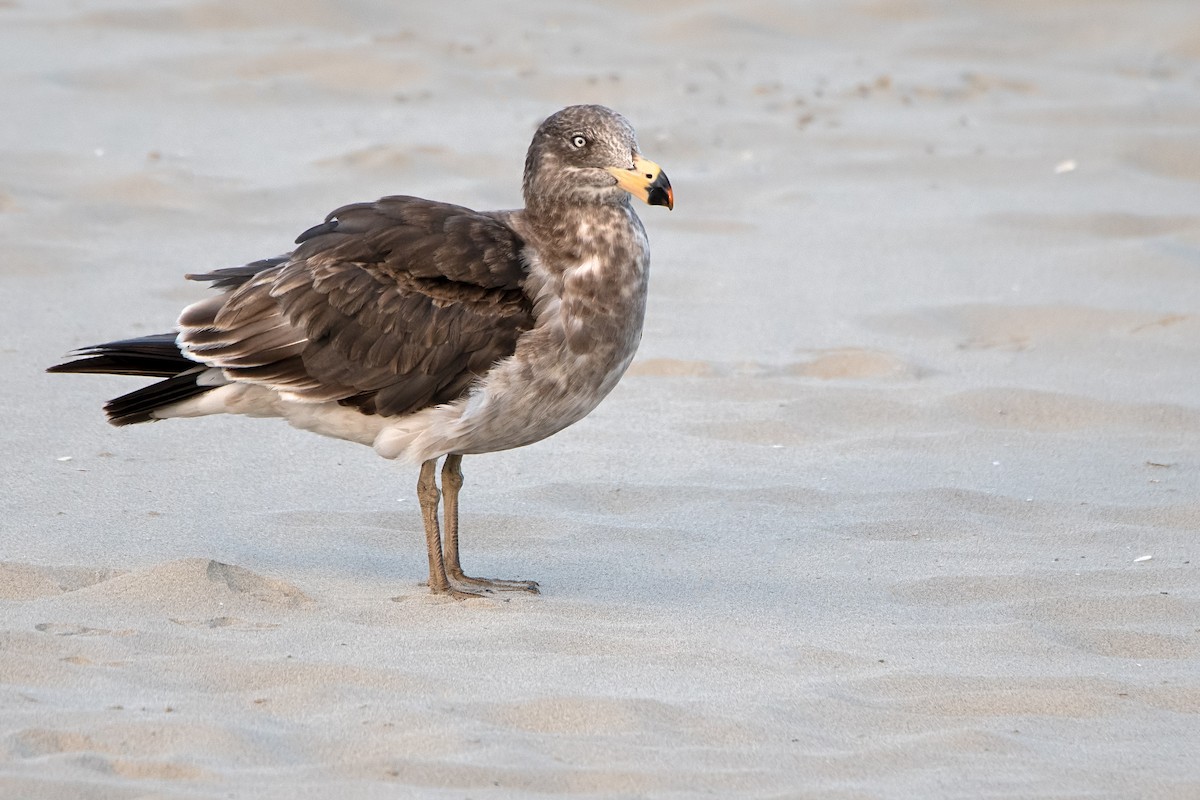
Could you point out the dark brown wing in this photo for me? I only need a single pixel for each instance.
(389, 306)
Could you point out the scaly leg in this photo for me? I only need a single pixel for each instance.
(452, 481)
(428, 494)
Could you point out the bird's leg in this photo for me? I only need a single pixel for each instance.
(428, 494)
(452, 481)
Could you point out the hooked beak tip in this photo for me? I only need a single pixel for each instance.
(660, 192)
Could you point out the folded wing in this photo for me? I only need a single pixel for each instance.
(389, 306)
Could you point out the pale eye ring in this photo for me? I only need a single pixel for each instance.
(578, 141)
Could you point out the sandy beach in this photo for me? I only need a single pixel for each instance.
(900, 499)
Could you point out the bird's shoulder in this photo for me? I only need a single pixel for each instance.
(424, 239)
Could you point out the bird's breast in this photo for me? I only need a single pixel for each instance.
(588, 324)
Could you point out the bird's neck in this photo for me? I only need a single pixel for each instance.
(574, 233)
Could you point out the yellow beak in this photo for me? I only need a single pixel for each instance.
(646, 181)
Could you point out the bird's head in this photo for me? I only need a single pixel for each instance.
(590, 155)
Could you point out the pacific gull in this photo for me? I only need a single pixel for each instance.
(425, 329)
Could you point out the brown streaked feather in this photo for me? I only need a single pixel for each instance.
(232, 277)
(389, 307)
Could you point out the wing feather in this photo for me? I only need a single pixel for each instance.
(388, 306)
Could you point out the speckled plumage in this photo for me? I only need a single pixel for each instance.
(421, 328)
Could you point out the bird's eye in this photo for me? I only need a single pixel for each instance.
(578, 141)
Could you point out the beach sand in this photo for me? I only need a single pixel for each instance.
(901, 498)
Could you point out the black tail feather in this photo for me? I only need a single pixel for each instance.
(155, 356)
(139, 406)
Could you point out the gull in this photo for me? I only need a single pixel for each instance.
(424, 329)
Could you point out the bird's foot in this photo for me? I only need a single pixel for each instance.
(488, 585)
(457, 593)
(464, 587)
(464, 594)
